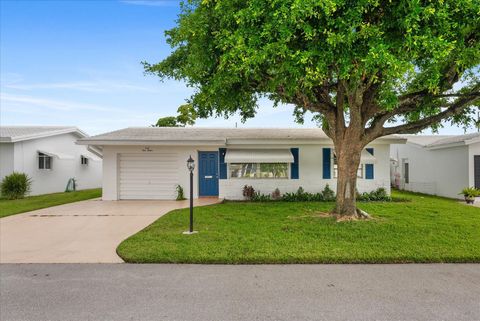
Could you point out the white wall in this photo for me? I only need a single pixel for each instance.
(442, 172)
(310, 174)
(310, 170)
(473, 149)
(6, 159)
(25, 159)
(110, 166)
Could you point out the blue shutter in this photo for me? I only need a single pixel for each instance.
(222, 164)
(327, 160)
(369, 167)
(294, 172)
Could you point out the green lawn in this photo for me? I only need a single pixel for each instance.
(10, 207)
(426, 229)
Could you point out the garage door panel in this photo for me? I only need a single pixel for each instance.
(148, 176)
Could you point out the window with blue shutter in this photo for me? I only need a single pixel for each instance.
(327, 163)
(294, 170)
(369, 169)
(222, 164)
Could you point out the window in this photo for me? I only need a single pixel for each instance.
(44, 161)
(406, 173)
(360, 170)
(83, 160)
(258, 170)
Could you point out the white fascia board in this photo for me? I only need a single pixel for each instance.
(151, 142)
(472, 141)
(96, 150)
(456, 144)
(45, 134)
(389, 141)
(236, 141)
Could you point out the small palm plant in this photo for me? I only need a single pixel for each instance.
(180, 193)
(470, 193)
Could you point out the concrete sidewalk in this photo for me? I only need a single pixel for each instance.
(82, 232)
(119, 292)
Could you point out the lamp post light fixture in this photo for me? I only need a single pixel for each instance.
(191, 167)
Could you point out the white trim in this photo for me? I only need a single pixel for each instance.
(258, 156)
(61, 131)
(56, 154)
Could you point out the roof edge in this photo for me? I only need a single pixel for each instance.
(68, 130)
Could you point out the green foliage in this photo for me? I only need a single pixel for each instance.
(470, 192)
(170, 121)
(180, 193)
(276, 195)
(233, 52)
(378, 195)
(248, 192)
(186, 116)
(328, 194)
(15, 185)
(30, 203)
(259, 197)
(425, 229)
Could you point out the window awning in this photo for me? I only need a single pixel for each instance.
(259, 156)
(367, 158)
(56, 154)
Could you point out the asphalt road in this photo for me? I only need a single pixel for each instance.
(254, 292)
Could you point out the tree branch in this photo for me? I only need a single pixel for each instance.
(455, 108)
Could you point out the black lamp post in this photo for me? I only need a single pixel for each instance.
(191, 167)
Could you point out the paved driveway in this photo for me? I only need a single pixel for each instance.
(410, 292)
(81, 232)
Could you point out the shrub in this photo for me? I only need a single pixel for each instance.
(16, 185)
(328, 194)
(301, 196)
(259, 197)
(180, 193)
(276, 195)
(378, 195)
(248, 192)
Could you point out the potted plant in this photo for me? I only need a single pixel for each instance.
(470, 193)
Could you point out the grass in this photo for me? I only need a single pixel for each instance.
(425, 229)
(10, 207)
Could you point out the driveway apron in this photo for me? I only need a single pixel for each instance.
(81, 232)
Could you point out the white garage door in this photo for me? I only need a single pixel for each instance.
(148, 176)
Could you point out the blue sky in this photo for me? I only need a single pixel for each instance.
(78, 63)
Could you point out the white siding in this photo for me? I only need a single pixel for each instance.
(6, 159)
(473, 149)
(111, 170)
(310, 175)
(442, 172)
(310, 170)
(25, 159)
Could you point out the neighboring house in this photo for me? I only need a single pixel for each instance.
(148, 163)
(437, 165)
(50, 156)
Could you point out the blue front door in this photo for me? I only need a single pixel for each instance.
(208, 173)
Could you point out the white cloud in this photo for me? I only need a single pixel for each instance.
(89, 86)
(7, 101)
(153, 3)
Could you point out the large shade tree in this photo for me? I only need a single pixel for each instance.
(364, 68)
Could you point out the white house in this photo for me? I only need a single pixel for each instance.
(437, 165)
(50, 157)
(148, 163)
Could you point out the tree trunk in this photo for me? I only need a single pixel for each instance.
(348, 161)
